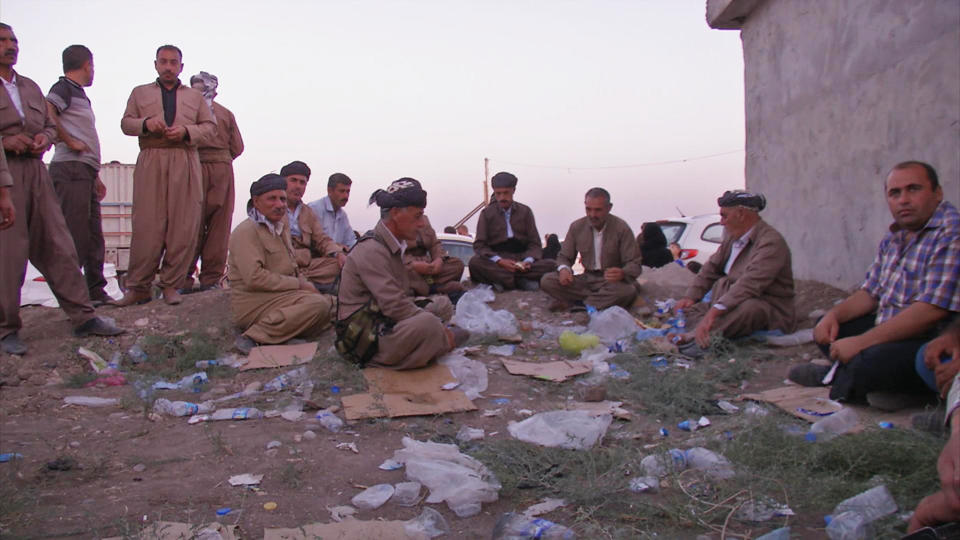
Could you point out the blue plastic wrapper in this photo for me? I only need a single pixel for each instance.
(886, 425)
(685, 425)
(7, 457)
(224, 511)
(664, 432)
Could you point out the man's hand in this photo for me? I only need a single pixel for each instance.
(305, 285)
(18, 144)
(101, 190)
(702, 332)
(435, 266)
(523, 266)
(421, 267)
(945, 374)
(613, 275)
(948, 344)
(509, 265)
(944, 505)
(684, 303)
(341, 258)
(7, 213)
(565, 277)
(845, 349)
(40, 144)
(156, 125)
(826, 330)
(175, 133)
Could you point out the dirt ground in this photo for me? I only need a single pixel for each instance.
(126, 469)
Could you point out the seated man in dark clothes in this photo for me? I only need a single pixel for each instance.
(653, 246)
(553, 247)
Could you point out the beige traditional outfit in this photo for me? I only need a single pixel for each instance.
(167, 186)
(39, 232)
(216, 165)
(618, 249)
(265, 296)
(427, 249)
(316, 253)
(375, 272)
(755, 289)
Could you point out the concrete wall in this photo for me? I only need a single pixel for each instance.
(836, 93)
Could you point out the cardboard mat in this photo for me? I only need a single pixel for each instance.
(412, 392)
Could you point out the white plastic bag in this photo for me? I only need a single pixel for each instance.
(471, 374)
(576, 430)
(373, 497)
(612, 324)
(457, 479)
(474, 315)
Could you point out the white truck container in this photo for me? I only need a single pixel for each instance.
(116, 212)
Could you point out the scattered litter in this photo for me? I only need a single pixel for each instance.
(711, 463)
(429, 523)
(727, 407)
(10, 455)
(660, 363)
(783, 533)
(591, 392)
(450, 385)
(703, 421)
(168, 530)
(348, 446)
(224, 511)
(643, 484)
(514, 338)
(886, 425)
(600, 408)
(872, 504)
(470, 374)
(246, 479)
(412, 392)
(525, 412)
(549, 371)
(273, 356)
(274, 444)
(309, 435)
(502, 350)
(139, 467)
(373, 497)
(406, 494)
(337, 513)
(512, 526)
(755, 410)
(141, 322)
(544, 507)
(270, 506)
(292, 416)
(181, 408)
(612, 324)
(184, 383)
(576, 430)
(136, 354)
(501, 401)
(475, 316)
(575, 343)
(838, 423)
(90, 401)
(618, 373)
(688, 425)
(663, 432)
(763, 509)
(329, 420)
(491, 412)
(463, 482)
(97, 363)
(619, 346)
(467, 434)
(390, 465)
(650, 333)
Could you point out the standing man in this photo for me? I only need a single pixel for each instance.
(911, 291)
(318, 256)
(331, 213)
(75, 166)
(216, 163)
(33, 227)
(169, 120)
(610, 257)
(750, 277)
(377, 320)
(507, 245)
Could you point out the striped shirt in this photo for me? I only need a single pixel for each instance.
(920, 267)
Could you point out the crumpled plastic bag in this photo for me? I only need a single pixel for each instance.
(612, 324)
(472, 374)
(457, 479)
(474, 315)
(574, 430)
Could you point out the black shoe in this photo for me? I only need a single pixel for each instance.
(97, 327)
(244, 345)
(808, 374)
(525, 284)
(895, 401)
(11, 344)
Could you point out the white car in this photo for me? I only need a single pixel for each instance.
(459, 246)
(699, 237)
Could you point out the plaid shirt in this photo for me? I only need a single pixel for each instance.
(924, 268)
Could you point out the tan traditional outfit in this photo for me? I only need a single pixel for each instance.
(618, 250)
(427, 249)
(167, 186)
(316, 253)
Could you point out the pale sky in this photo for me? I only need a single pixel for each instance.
(566, 95)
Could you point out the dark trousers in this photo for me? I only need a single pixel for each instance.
(888, 367)
(483, 270)
(76, 186)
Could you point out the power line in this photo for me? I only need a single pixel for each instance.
(684, 160)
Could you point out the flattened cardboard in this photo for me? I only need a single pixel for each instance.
(550, 371)
(411, 392)
(794, 398)
(169, 530)
(348, 529)
(273, 356)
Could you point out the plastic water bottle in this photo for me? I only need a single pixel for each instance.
(660, 466)
(198, 384)
(513, 526)
(329, 420)
(136, 354)
(829, 427)
(286, 380)
(713, 464)
(681, 322)
(872, 504)
(203, 364)
(849, 526)
(241, 413)
(181, 408)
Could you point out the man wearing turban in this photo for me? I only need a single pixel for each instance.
(750, 278)
(508, 254)
(271, 302)
(410, 336)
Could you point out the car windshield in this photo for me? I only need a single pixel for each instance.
(460, 250)
(672, 230)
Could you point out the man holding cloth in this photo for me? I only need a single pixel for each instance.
(169, 120)
(271, 301)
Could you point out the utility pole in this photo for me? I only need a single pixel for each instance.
(486, 180)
